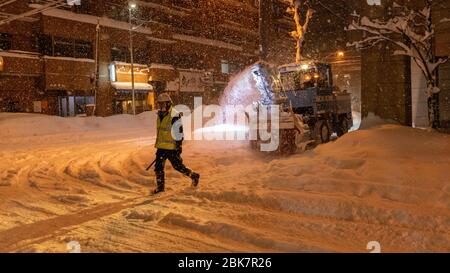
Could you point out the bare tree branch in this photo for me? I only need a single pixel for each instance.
(301, 27)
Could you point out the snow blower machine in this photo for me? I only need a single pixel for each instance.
(311, 109)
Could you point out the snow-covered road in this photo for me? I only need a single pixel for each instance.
(388, 184)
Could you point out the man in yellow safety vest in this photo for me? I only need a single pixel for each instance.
(169, 139)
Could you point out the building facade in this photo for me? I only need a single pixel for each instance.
(61, 60)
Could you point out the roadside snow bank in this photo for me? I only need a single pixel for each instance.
(372, 121)
(21, 125)
(34, 129)
(389, 184)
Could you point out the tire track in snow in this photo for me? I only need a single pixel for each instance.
(9, 238)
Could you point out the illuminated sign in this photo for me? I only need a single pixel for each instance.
(121, 72)
(195, 81)
(112, 72)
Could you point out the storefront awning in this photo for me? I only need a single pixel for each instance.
(127, 86)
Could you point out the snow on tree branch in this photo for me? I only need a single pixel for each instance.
(411, 31)
(298, 34)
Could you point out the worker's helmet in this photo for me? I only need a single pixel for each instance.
(164, 97)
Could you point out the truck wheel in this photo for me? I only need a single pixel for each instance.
(343, 127)
(322, 132)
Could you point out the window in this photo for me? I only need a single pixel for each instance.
(225, 67)
(120, 54)
(290, 81)
(183, 60)
(324, 77)
(140, 55)
(81, 102)
(229, 68)
(234, 68)
(82, 49)
(45, 45)
(5, 41)
(299, 80)
(63, 47)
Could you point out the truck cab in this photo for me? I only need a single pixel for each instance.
(307, 93)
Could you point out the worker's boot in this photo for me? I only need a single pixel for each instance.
(195, 179)
(159, 183)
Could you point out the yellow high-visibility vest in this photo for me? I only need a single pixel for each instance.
(164, 138)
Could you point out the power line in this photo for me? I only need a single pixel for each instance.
(331, 11)
(48, 5)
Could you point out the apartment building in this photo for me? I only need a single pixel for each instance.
(61, 59)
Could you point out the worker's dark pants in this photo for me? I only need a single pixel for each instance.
(175, 159)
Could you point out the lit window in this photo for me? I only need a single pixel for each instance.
(225, 67)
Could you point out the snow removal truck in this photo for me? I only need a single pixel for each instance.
(311, 108)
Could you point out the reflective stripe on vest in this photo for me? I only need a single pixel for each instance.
(164, 139)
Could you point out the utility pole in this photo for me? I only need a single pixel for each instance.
(133, 105)
(264, 18)
(97, 39)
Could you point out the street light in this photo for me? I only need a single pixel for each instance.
(1, 63)
(339, 55)
(132, 6)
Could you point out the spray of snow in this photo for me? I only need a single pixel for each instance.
(241, 90)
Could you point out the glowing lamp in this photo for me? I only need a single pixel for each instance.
(1, 63)
(305, 67)
(341, 54)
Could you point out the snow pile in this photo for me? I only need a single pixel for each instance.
(387, 183)
(21, 128)
(371, 121)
